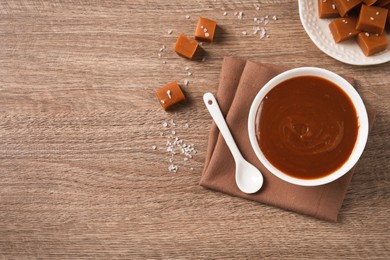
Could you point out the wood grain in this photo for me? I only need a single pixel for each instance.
(78, 175)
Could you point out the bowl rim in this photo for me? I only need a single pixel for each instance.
(351, 93)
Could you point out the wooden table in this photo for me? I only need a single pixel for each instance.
(79, 177)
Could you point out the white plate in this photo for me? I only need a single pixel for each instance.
(318, 30)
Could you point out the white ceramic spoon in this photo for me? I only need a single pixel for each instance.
(248, 178)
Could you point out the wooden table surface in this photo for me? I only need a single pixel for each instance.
(79, 177)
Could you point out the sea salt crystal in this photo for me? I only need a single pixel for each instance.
(170, 32)
(263, 32)
(177, 147)
(173, 168)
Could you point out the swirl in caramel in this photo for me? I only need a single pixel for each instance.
(307, 127)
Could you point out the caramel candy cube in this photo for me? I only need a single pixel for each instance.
(371, 43)
(185, 46)
(169, 95)
(372, 19)
(343, 29)
(345, 6)
(369, 2)
(205, 29)
(327, 9)
(382, 3)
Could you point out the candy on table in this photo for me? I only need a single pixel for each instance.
(327, 9)
(369, 2)
(371, 43)
(185, 46)
(372, 19)
(345, 7)
(343, 28)
(205, 29)
(169, 95)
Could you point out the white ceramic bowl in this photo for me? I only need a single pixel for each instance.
(347, 88)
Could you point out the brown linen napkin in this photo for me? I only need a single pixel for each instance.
(239, 83)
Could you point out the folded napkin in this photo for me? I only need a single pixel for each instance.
(239, 83)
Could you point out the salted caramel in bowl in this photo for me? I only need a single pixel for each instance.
(308, 126)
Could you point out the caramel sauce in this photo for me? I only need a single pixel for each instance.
(307, 127)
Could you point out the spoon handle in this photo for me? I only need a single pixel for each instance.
(213, 107)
